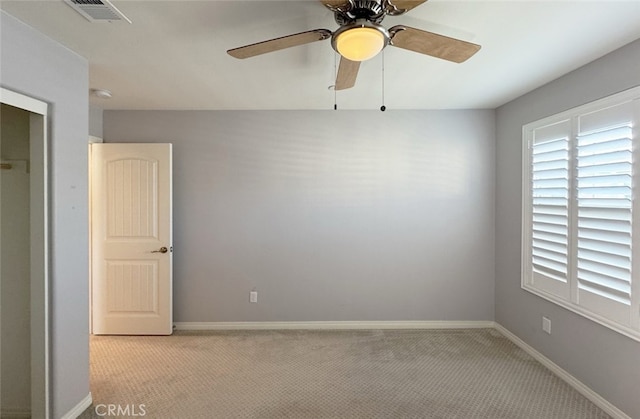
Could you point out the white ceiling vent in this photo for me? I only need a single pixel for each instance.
(97, 10)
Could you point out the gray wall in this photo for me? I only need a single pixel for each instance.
(95, 121)
(15, 361)
(347, 215)
(604, 360)
(39, 67)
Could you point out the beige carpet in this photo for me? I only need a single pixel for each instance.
(329, 374)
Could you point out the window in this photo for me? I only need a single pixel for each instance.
(581, 215)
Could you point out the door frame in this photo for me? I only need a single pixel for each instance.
(39, 247)
(92, 140)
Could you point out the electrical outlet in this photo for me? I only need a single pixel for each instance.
(253, 296)
(546, 324)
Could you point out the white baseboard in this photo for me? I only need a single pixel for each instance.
(338, 325)
(578, 385)
(15, 414)
(79, 408)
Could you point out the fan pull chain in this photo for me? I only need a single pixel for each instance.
(383, 108)
(335, 77)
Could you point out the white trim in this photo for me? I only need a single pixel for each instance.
(79, 408)
(18, 100)
(39, 247)
(580, 387)
(89, 192)
(95, 140)
(337, 325)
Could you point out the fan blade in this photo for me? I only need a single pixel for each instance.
(430, 43)
(406, 5)
(334, 5)
(347, 74)
(280, 43)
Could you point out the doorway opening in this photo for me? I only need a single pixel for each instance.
(24, 323)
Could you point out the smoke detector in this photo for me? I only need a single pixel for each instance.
(101, 93)
(97, 10)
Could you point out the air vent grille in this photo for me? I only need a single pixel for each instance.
(97, 10)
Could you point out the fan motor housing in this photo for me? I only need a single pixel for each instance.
(370, 10)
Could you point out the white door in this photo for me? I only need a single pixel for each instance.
(131, 239)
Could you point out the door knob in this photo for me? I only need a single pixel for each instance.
(161, 250)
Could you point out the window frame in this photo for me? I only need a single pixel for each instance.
(570, 302)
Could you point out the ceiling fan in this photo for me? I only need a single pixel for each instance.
(361, 37)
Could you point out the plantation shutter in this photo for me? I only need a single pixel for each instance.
(604, 211)
(580, 219)
(550, 153)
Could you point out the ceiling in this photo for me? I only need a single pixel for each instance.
(173, 54)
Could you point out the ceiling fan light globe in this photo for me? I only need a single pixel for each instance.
(360, 44)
